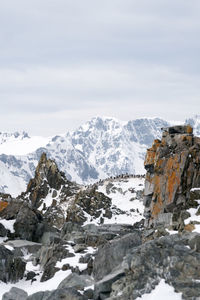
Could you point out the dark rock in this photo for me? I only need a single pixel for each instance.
(49, 256)
(66, 294)
(169, 258)
(30, 275)
(40, 296)
(109, 256)
(78, 282)
(3, 231)
(194, 243)
(47, 176)
(11, 268)
(15, 294)
(103, 288)
(28, 224)
(92, 202)
(89, 294)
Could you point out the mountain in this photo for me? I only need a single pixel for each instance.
(100, 148)
(20, 143)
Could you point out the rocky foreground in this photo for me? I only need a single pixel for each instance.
(110, 240)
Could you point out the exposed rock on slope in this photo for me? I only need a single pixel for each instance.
(173, 169)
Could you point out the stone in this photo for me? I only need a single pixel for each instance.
(11, 268)
(109, 256)
(40, 296)
(92, 202)
(89, 294)
(48, 257)
(66, 294)
(3, 231)
(103, 288)
(169, 257)
(30, 275)
(28, 223)
(15, 294)
(194, 243)
(78, 282)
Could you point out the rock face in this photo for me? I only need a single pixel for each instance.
(11, 268)
(47, 176)
(170, 258)
(91, 202)
(173, 169)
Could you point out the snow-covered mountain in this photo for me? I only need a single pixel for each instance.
(20, 143)
(100, 148)
(195, 123)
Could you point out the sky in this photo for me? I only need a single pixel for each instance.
(63, 62)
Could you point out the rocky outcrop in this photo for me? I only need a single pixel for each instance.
(173, 169)
(11, 268)
(170, 258)
(47, 176)
(89, 203)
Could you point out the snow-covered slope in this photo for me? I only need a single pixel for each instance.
(100, 148)
(20, 143)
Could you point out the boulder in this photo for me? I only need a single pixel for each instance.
(78, 282)
(28, 225)
(58, 294)
(110, 255)
(15, 294)
(40, 296)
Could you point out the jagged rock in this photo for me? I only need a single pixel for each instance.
(3, 231)
(173, 169)
(47, 176)
(15, 294)
(21, 245)
(28, 225)
(11, 210)
(102, 288)
(91, 202)
(109, 256)
(49, 256)
(79, 282)
(170, 258)
(11, 268)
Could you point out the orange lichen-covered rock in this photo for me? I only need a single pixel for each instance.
(3, 205)
(151, 153)
(173, 168)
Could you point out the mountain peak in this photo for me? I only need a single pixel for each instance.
(47, 176)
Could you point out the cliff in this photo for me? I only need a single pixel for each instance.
(173, 172)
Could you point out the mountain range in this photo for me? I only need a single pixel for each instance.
(100, 148)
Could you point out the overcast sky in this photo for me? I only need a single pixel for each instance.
(64, 61)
